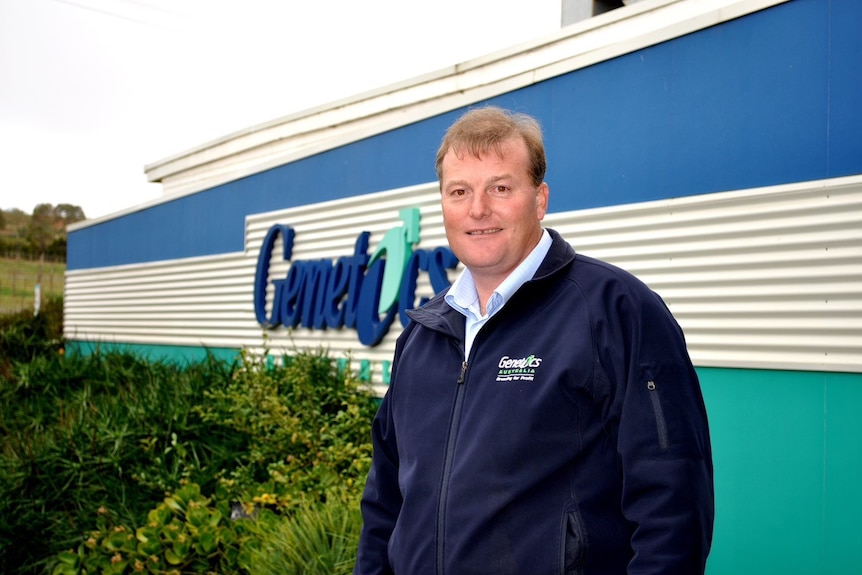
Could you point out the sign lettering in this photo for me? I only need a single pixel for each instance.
(359, 291)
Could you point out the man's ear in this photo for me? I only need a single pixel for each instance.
(542, 193)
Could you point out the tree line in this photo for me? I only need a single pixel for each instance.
(40, 235)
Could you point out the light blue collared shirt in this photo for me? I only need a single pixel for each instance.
(463, 296)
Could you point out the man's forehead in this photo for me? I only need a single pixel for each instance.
(504, 150)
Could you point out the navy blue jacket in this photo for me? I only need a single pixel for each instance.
(573, 440)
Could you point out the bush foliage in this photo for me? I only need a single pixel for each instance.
(114, 463)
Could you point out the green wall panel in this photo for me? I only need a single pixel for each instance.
(787, 448)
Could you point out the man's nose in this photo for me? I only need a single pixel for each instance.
(479, 206)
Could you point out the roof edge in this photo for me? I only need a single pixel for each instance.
(308, 132)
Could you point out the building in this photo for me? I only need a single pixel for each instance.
(712, 147)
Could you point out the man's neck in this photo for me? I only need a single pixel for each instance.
(485, 291)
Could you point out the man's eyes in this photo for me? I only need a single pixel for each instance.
(496, 190)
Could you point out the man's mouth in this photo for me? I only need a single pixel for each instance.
(484, 232)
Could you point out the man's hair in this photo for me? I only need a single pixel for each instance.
(483, 130)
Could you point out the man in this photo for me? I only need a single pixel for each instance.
(543, 416)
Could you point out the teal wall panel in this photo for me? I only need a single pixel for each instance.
(843, 472)
(173, 353)
(787, 449)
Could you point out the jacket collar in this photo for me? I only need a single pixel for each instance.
(437, 315)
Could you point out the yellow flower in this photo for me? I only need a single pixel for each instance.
(265, 499)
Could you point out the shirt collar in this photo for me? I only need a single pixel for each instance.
(463, 296)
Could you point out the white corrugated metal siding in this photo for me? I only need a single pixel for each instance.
(766, 278)
(763, 278)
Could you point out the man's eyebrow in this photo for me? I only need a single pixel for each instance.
(453, 184)
(495, 180)
(490, 180)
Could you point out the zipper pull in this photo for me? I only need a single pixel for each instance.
(463, 372)
(650, 385)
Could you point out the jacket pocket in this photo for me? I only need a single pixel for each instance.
(574, 544)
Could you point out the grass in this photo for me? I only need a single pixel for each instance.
(18, 279)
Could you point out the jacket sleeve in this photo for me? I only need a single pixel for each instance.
(381, 499)
(663, 441)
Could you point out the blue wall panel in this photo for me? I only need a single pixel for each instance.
(734, 106)
(766, 99)
(845, 87)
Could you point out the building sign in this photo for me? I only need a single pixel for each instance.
(362, 292)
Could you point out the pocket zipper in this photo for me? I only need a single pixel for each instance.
(661, 424)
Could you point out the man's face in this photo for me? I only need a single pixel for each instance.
(491, 210)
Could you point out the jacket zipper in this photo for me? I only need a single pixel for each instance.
(661, 424)
(447, 467)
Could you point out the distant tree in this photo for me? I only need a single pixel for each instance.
(14, 234)
(16, 219)
(69, 213)
(57, 249)
(2, 219)
(46, 230)
(41, 231)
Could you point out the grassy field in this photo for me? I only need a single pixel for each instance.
(18, 279)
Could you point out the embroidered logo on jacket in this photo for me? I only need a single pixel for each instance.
(518, 369)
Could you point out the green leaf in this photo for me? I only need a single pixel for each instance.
(63, 569)
(175, 504)
(173, 558)
(190, 492)
(182, 546)
(68, 558)
(208, 541)
(119, 541)
(198, 516)
(215, 518)
(159, 516)
(150, 547)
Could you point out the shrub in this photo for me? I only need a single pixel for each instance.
(302, 433)
(90, 445)
(24, 336)
(189, 533)
(186, 533)
(306, 424)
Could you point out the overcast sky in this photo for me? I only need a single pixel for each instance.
(93, 90)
